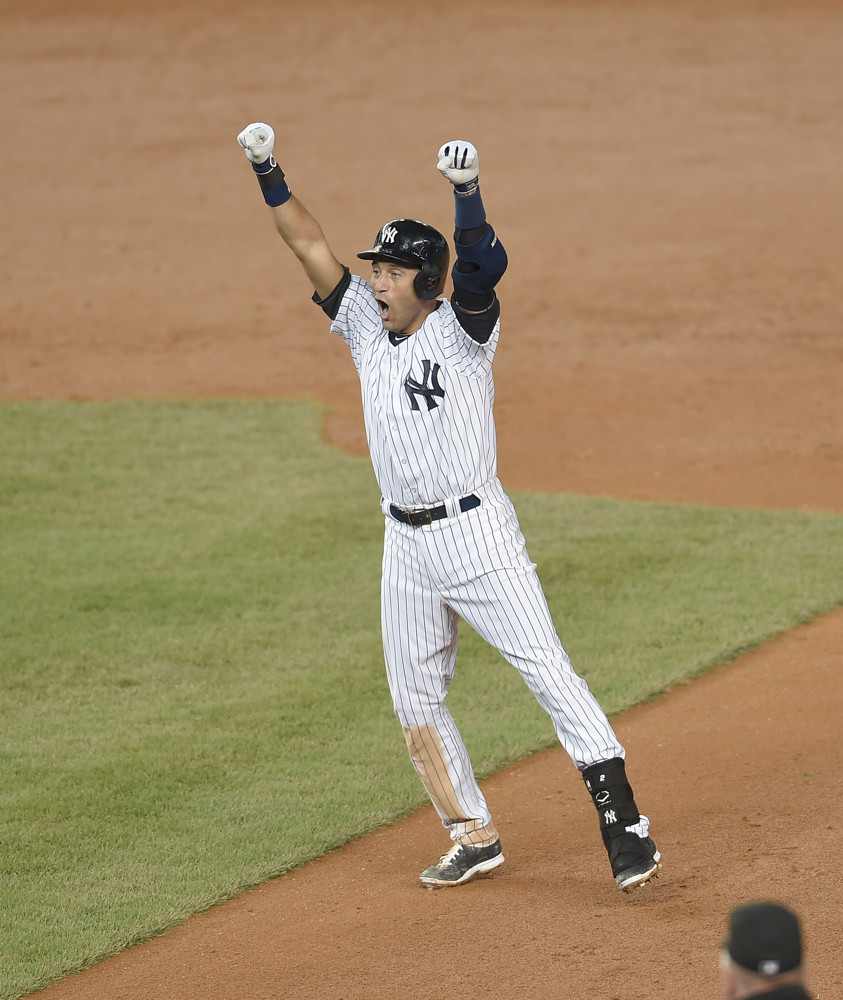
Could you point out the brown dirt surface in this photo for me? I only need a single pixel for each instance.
(666, 179)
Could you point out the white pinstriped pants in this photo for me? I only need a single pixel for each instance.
(474, 566)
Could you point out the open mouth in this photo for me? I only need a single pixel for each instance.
(384, 308)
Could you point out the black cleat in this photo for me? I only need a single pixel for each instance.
(635, 859)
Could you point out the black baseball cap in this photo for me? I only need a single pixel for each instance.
(764, 938)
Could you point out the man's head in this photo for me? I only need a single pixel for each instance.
(409, 269)
(763, 951)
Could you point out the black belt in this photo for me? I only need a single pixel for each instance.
(426, 515)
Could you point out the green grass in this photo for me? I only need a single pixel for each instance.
(192, 696)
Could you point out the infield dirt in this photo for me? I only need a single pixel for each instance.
(666, 179)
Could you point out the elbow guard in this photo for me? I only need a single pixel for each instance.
(481, 266)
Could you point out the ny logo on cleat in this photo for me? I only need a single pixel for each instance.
(413, 388)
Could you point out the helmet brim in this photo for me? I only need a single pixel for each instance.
(376, 254)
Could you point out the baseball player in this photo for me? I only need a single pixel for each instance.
(452, 544)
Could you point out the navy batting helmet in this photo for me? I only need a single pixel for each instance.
(414, 244)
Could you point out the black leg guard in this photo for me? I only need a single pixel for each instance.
(612, 795)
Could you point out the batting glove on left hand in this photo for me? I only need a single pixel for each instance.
(257, 140)
(458, 161)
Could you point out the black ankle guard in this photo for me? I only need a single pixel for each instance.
(611, 793)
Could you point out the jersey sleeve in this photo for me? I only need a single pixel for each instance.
(478, 324)
(473, 356)
(331, 303)
(354, 313)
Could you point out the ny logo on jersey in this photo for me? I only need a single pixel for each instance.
(428, 387)
(388, 234)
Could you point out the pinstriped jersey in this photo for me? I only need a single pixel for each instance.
(427, 401)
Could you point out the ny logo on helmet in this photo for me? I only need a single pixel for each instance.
(388, 234)
(414, 388)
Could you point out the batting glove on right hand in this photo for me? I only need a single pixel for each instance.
(257, 140)
(458, 161)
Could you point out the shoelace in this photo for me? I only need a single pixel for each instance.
(454, 851)
(642, 827)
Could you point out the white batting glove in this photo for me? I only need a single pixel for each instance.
(257, 140)
(458, 161)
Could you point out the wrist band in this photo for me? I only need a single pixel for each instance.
(271, 179)
(464, 190)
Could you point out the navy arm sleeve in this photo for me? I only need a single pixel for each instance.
(480, 264)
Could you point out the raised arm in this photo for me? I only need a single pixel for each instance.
(481, 258)
(296, 226)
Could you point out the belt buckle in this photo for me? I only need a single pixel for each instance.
(421, 516)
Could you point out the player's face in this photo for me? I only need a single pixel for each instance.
(402, 311)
